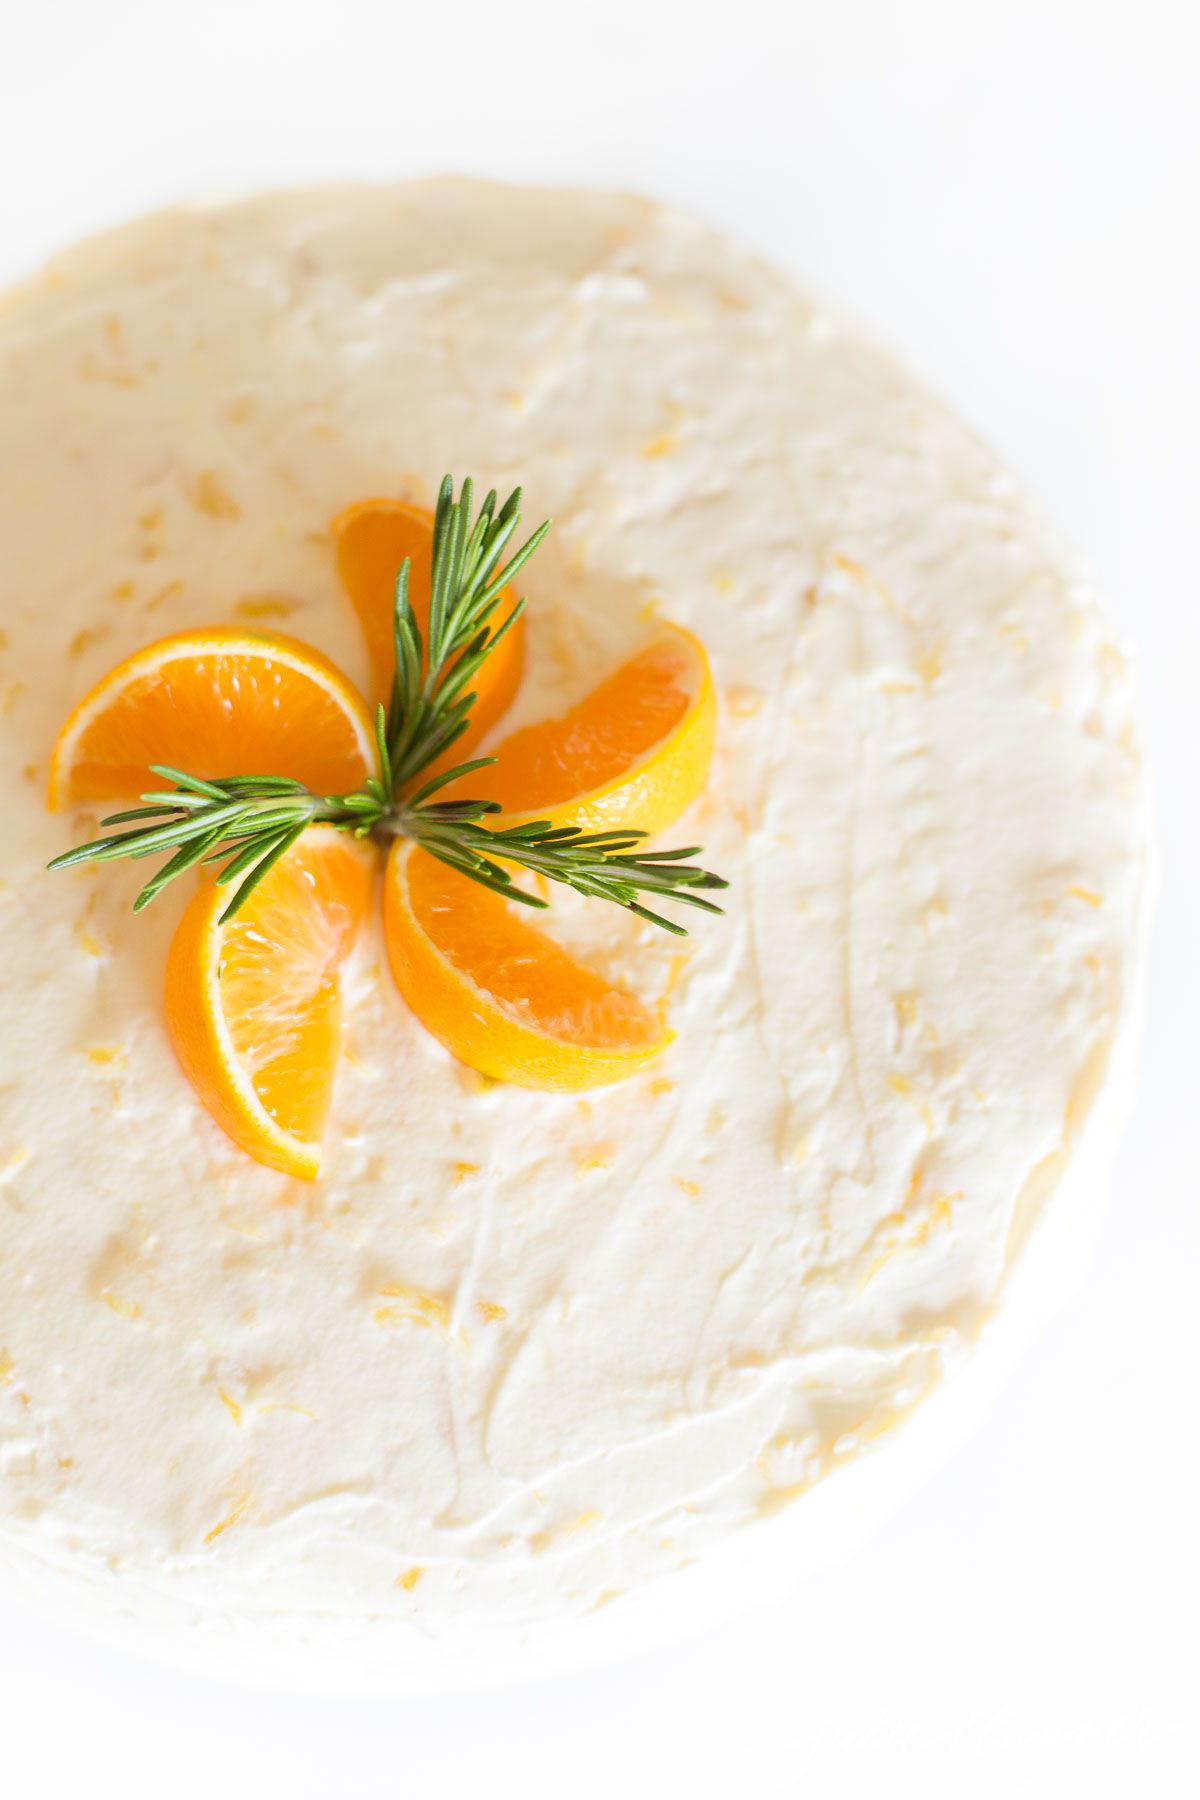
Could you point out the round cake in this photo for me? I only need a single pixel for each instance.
(514, 1355)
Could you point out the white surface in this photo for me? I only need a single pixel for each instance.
(1007, 192)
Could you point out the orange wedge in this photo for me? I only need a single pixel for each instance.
(254, 1006)
(372, 539)
(499, 994)
(634, 753)
(212, 703)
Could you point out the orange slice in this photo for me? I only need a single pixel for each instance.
(372, 539)
(634, 753)
(212, 703)
(254, 1007)
(499, 994)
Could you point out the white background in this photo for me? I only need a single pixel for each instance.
(1010, 191)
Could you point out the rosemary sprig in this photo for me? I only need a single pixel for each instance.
(429, 712)
(247, 822)
(251, 820)
(597, 864)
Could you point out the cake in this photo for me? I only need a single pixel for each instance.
(515, 1357)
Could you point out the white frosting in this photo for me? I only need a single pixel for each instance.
(515, 1354)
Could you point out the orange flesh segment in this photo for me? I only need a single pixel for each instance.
(518, 966)
(214, 703)
(254, 1007)
(500, 994)
(279, 985)
(372, 539)
(636, 751)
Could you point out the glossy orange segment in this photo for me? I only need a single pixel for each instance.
(498, 993)
(212, 703)
(254, 1006)
(372, 540)
(635, 752)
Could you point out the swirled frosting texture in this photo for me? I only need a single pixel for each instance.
(513, 1355)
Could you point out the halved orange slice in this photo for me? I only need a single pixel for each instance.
(254, 1006)
(372, 539)
(634, 753)
(213, 703)
(499, 994)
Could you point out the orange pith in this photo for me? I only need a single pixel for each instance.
(498, 993)
(254, 1007)
(212, 703)
(635, 752)
(372, 539)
